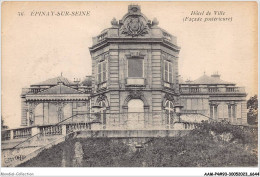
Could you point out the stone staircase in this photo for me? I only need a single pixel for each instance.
(20, 147)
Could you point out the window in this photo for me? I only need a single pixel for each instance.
(214, 111)
(231, 111)
(103, 120)
(169, 110)
(168, 71)
(102, 71)
(135, 114)
(135, 68)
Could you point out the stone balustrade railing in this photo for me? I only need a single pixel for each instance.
(211, 90)
(124, 121)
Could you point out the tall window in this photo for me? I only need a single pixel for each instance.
(168, 71)
(232, 111)
(135, 114)
(135, 68)
(214, 111)
(169, 110)
(102, 104)
(102, 71)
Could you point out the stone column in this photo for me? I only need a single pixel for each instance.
(64, 130)
(215, 112)
(24, 109)
(211, 112)
(31, 112)
(34, 131)
(11, 134)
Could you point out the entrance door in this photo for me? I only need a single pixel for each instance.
(135, 114)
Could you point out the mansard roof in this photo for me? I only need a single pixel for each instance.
(55, 81)
(60, 89)
(209, 80)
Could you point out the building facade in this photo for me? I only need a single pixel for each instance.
(134, 82)
(215, 98)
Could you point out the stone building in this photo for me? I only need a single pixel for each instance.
(135, 82)
(215, 98)
(135, 68)
(54, 100)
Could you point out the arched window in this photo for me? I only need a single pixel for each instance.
(103, 109)
(38, 114)
(135, 114)
(169, 110)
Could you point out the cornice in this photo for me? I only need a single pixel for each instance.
(108, 41)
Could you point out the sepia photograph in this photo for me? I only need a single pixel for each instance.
(129, 84)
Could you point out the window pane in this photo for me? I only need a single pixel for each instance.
(170, 77)
(104, 66)
(135, 68)
(171, 105)
(170, 73)
(166, 76)
(104, 76)
(166, 71)
(99, 77)
(99, 68)
(166, 65)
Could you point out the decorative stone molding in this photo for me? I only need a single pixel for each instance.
(135, 54)
(101, 98)
(114, 22)
(155, 22)
(169, 97)
(213, 103)
(134, 23)
(134, 26)
(136, 94)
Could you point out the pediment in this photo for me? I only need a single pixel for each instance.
(60, 89)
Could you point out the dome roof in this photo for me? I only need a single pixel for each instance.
(210, 80)
(55, 81)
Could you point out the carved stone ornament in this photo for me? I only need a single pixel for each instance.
(169, 97)
(101, 98)
(134, 26)
(135, 94)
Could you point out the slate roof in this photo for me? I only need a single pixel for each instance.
(210, 80)
(60, 89)
(55, 81)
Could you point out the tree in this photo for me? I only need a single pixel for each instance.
(2, 124)
(252, 115)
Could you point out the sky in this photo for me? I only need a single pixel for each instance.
(36, 48)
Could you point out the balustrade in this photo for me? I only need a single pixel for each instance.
(50, 130)
(114, 121)
(5, 135)
(77, 126)
(212, 90)
(102, 36)
(22, 133)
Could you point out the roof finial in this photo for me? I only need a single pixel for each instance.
(61, 74)
(204, 72)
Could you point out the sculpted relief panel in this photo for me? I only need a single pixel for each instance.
(134, 26)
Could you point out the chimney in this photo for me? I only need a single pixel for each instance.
(215, 75)
(76, 81)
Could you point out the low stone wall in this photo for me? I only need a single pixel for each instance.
(130, 133)
(14, 156)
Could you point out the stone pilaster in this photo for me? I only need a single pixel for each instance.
(24, 109)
